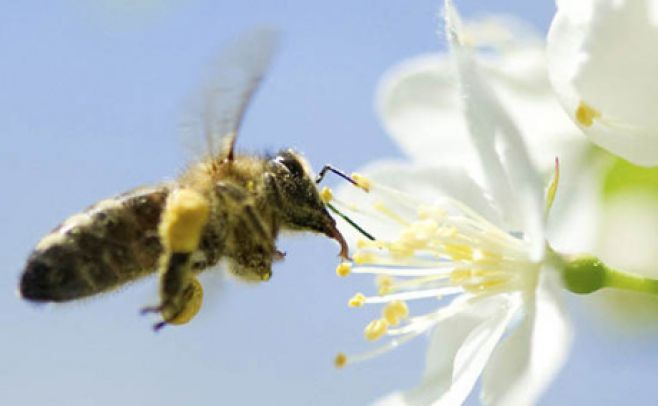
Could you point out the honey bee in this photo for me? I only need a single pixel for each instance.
(228, 206)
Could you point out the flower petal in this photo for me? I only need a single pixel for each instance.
(459, 348)
(523, 365)
(513, 178)
(602, 61)
(420, 105)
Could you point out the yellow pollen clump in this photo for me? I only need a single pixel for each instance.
(459, 252)
(400, 250)
(487, 258)
(251, 186)
(419, 234)
(384, 284)
(340, 360)
(325, 195)
(460, 275)
(184, 217)
(361, 257)
(191, 308)
(357, 300)
(361, 181)
(395, 311)
(375, 329)
(361, 244)
(343, 269)
(585, 114)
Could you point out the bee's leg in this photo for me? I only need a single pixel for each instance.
(279, 255)
(183, 219)
(252, 256)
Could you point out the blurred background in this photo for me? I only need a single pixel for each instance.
(89, 102)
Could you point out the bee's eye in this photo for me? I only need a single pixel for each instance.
(292, 164)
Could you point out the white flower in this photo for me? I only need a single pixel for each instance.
(421, 106)
(482, 255)
(420, 102)
(603, 59)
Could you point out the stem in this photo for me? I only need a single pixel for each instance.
(629, 281)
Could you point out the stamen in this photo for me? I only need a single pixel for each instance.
(363, 244)
(431, 212)
(388, 346)
(395, 311)
(381, 207)
(586, 114)
(420, 294)
(371, 258)
(438, 269)
(343, 269)
(445, 249)
(361, 181)
(357, 300)
(431, 281)
(361, 257)
(459, 252)
(384, 284)
(340, 360)
(419, 324)
(326, 195)
(375, 329)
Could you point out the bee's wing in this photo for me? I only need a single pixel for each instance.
(216, 111)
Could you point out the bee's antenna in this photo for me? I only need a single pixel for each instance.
(350, 221)
(342, 174)
(337, 172)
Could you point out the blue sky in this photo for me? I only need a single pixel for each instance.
(88, 109)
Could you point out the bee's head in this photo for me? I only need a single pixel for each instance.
(293, 193)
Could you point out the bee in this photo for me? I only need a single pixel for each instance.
(227, 207)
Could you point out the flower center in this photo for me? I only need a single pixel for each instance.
(440, 250)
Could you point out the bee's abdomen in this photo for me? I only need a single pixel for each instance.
(111, 243)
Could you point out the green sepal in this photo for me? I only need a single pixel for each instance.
(586, 273)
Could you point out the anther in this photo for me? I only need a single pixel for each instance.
(395, 311)
(375, 329)
(361, 181)
(325, 195)
(357, 300)
(340, 360)
(343, 269)
(585, 114)
(384, 284)
(361, 257)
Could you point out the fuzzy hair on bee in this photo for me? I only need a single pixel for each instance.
(228, 207)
